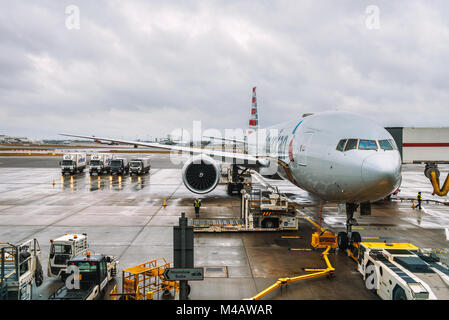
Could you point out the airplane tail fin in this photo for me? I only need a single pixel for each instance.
(254, 116)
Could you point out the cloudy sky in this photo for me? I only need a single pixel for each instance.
(136, 69)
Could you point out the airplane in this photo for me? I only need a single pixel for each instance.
(336, 156)
(101, 142)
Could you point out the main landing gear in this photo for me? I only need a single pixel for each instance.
(346, 239)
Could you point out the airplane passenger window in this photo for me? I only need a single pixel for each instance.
(368, 145)
(341, 145)
(385, 145)
(352, 144)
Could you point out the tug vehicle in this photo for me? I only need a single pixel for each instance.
(95, 272)
(401, 271)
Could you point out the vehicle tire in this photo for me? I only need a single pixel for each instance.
(269, 224)
(399, 293)
(342, 240)
(166, 293)
(355, 237)
(188, 289)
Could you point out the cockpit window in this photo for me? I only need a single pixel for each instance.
(352, 144)
(385, 145)
(341, 145)
(393, 143)
(367, 144)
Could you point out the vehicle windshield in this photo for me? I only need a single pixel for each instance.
(88, 270)
(95, 162)
(385, 145)
(341, 145)
(61, 249)
(67, 162)
(352, 144)
(116, 163)
(367, 145)
(134, 164)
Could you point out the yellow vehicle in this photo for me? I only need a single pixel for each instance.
(323, 239)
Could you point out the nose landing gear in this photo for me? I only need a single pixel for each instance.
(346, 239)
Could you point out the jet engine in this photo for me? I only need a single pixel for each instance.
(201, 174)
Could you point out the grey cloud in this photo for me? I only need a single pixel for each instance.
(139, 68)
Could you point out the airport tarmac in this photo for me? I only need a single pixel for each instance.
(125, 217)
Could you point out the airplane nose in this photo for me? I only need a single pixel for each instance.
(381, 173)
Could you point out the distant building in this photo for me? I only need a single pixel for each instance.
(12, 140)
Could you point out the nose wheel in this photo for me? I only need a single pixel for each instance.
(346, 239)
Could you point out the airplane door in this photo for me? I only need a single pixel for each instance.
(303, 146)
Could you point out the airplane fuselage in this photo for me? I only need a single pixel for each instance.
(366, 166)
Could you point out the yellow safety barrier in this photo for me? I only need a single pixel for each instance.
(290, 237)
(436, 185)
(284, 281)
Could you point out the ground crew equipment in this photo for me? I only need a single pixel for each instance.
(19, 266)
(401, 271)
(63, 249)
(322, 238)
(145, 281)
(328, 271)
(95, 271)
(433, 174)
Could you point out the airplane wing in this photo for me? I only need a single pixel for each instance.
(226, 139)
(246, 159)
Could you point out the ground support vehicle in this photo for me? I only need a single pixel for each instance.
(401, 271)
(62, 250)
(100, 163)
(94, 273)
(73, 163)
(139, 166)
(19, 266)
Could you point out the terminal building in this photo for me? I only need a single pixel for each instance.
(422, 144)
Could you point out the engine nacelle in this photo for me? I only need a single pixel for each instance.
(201, 174)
